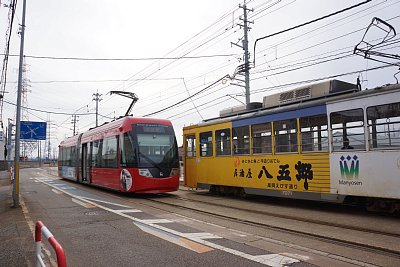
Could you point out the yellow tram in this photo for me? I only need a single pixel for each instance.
(296, 145)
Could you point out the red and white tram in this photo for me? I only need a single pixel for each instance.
(138, 155)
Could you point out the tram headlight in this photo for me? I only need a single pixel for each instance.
(174, 172)
(145, 173)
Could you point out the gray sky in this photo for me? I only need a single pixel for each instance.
(156, 29)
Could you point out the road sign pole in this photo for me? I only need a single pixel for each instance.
(18, 116)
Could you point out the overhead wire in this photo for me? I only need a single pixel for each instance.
(307, 23)
(333, 26)
(261, 90)
(333, 59)
(146, 76)
(184, 100)
(122, 59)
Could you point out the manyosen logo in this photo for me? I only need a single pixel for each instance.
(349, 167)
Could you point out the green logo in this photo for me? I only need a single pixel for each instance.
(352, 172)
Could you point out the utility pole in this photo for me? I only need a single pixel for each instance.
(9, 139)
(18, 116)
(246, 28)
(49, 144)
(96, 97)
(74, 121)
(244, 69)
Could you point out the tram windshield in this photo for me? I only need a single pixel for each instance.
(156, 146)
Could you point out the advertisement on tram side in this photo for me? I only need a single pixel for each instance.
(68, 172)
(310, 173)
(356, 173)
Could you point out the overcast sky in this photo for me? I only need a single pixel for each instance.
(144, 30)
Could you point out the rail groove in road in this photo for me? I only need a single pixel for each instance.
(359, 245)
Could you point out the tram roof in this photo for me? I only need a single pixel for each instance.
(309, 105)
(120, 125)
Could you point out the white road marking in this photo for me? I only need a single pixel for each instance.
(152, 221)
(106, 202)
(56, 191)
(275, 260)
(129, 211)
(201, 235)
(84, 204)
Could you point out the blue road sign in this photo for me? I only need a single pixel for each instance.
(33, 130)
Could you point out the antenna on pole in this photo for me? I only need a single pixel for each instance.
(130, 95)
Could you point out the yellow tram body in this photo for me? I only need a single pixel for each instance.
(274, 171)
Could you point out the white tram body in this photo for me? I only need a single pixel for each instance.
(372, 167)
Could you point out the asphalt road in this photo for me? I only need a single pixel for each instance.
(103, 228)
(106, 235)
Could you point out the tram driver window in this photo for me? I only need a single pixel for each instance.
(384, 126)
(190, 146)
(347, 125)
(241, 140)
(206, 144)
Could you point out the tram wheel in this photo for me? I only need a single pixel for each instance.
(240, 192)
(382, 205)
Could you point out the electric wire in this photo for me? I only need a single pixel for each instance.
(306, 23)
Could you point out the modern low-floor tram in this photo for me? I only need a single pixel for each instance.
(138, 155)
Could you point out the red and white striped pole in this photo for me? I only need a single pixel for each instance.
(39, 229)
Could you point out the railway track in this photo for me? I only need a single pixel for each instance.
(293, 217)
(317, 236)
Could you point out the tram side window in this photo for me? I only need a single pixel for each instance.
(63, 156)
(190, 146)
(128, 155)
(384, 125)
(286, 136)
(67, 156)
(347, 129)
(206, 144)
(109, 153)
(223, 142)
(96, 153)
(314, 133)
(60, 155)
(73, 157)
(241, 140)
(262, 138)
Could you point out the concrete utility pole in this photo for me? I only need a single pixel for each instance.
(246, 28)
(9, 139)
(96, 97)
(18, 116)
(49, 144)
(74, 121)
(244, 69)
